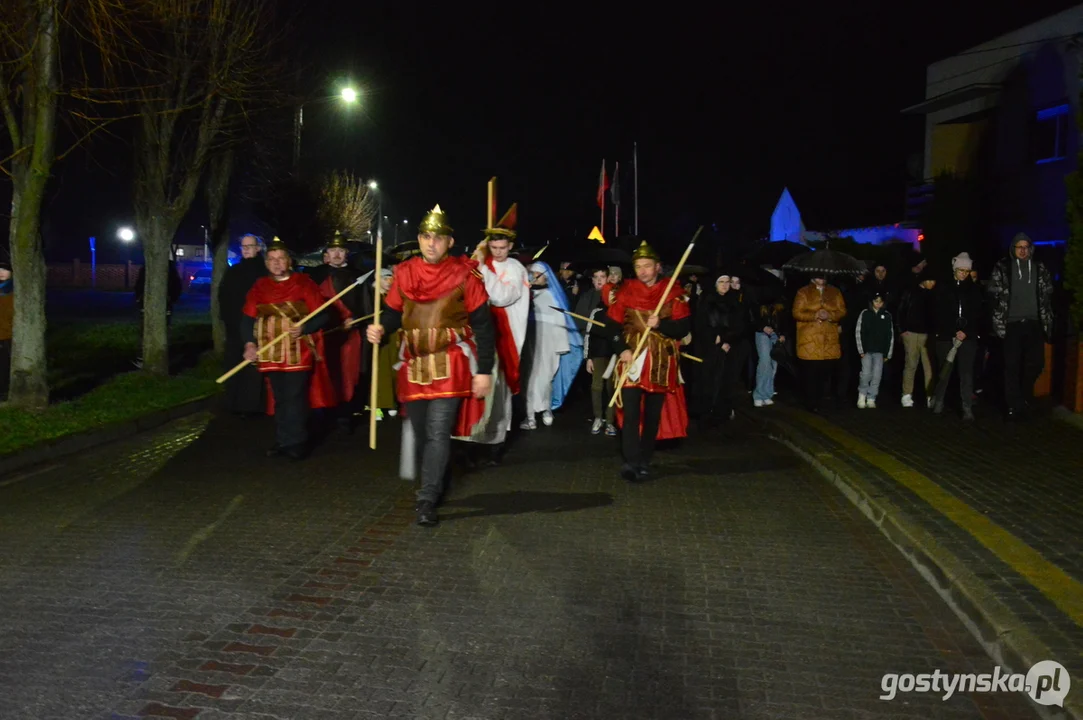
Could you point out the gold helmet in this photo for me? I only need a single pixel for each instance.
(277, 244)
(435, 221)
(337, 242)
(645, 251)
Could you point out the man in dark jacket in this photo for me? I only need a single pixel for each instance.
(957, 313)
(1021, 294)
(244, 391)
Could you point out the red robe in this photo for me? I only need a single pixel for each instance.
(296, 296)
(343, 347)
(633, 295)
(505, 342)
(422, 283)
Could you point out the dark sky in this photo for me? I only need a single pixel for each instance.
(727, 106)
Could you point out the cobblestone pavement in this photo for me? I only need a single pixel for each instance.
(181, 574)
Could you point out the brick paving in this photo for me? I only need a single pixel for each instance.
(183, 575)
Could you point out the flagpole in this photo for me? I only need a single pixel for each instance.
(602, 225)
(616, 202)
(635, 188)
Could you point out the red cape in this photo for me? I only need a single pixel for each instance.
(634, 295)
(424, 282)
(344, 348)
(298, 287)
(505, 342)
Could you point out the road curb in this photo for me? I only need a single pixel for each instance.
(69, 444)
(1003, 635)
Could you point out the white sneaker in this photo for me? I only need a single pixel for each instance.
(596, 427)
(768, 402)
(759, 403)
(528, 424)
(610, 429)
(907, 401)
(870, 404)
(393, 413)
(929, 402)
(547, 418)
(861, 402)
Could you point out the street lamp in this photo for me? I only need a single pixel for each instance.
(126, 234)
(373, 185)
(349, 95)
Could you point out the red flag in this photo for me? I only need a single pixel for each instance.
(603, 185)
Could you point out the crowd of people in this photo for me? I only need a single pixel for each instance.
(473, 347)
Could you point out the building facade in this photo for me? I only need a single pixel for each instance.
(1003, 114)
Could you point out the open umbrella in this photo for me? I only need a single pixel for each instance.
(693, 270)
(826, 262)
(776, 254)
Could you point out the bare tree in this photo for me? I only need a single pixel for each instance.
(204, 64)
(218, 196)
(37, 38)
(347, 205)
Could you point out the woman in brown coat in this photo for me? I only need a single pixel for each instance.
(817, 309)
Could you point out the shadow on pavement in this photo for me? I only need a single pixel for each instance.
(521, 502)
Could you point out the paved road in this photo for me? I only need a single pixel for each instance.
(184, 575)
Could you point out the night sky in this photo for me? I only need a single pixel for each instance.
(728, 107)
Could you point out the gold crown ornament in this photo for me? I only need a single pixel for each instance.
(645, 251)
(435, 221)
(277, 244)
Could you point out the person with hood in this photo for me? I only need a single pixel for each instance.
(244, 391)
(721, 329)
(818, 308)
(957, 313)
(1021, 295)
(875, 339)
(558, 348)
(915, 322)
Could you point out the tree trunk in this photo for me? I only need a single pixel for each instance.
(29, 379)
(157, 240)
(218, 187)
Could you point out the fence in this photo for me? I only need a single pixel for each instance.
(79, 274)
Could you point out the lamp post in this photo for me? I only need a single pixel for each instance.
(347, 94)
(374, 186)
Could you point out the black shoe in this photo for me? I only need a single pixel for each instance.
(496, 455)
(629, 472)
(274, 451)
(345, 425)
(295, 452)
(1013, 415)
(426, 514)
(642, 473)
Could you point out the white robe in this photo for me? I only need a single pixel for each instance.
(508, 287)
(550, 342)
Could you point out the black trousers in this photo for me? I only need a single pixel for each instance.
(638, 449)
(818, 375)
(1024, 360)
(291, 407)
(244, 391)
(432, 422)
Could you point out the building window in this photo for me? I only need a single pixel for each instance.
(1051, 133)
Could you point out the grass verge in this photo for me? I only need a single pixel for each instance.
(122, 398)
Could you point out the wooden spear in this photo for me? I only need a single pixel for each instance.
(661, 302)
(376, 283)
(240, 366)
(592, 321)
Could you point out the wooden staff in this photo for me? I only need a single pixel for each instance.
(350, 324)
(377, 281)
(240, 366)
(661, 302)
(577, 316)
(308, 338)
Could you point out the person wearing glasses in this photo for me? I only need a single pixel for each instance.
(1021, 294)
(244, 391)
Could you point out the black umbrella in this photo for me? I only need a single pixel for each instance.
(410, 248)
(364, 258)
(826, 262)
(776, 254)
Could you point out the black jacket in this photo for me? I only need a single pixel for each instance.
(957, 306)
(915, 310)
(355, 300)
(722, 316)
(233, 290)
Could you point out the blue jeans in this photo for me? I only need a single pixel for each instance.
(872, 367)
(765, 367)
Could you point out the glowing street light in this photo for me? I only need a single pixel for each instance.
(126, 234)
(349, 95)
(373, 185)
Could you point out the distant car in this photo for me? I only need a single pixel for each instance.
(200, 281)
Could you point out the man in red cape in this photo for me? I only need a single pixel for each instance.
(651, 405)
(344, 352)
(296, 379)
(439, 306)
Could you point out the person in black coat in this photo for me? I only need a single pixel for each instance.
(721, 330)
(245, 390)
(957, 315)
